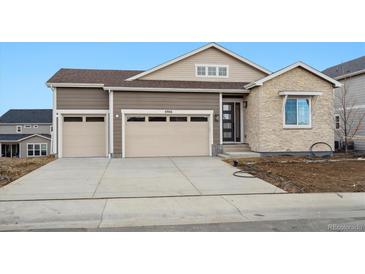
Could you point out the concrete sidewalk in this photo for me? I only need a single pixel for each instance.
(137, 212)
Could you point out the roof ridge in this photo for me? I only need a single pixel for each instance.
(94, 69)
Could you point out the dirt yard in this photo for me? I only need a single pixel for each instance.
(14, 168)
(299, 174)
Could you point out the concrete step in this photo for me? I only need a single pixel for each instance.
(236, 148)
(235, 155)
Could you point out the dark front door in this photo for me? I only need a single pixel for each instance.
(228, 122)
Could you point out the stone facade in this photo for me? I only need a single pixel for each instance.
(264, 115)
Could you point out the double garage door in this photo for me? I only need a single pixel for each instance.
(84, 136)
(166, 135)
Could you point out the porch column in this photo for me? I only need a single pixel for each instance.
(1, 150)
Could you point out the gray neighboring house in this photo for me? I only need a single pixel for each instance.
(352, 74)
(26, 133)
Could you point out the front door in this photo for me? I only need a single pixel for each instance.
(228, 122)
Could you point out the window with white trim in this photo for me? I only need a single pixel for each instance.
(35, 126)
(200, 71)
(297, 113)
(18, 129)
(337, 121)
(211, 71)
(36, 150)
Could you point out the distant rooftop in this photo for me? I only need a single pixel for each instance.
(27, 116)
(348, 67)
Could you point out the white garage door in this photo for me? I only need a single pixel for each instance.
(161, 135)
(84, 136)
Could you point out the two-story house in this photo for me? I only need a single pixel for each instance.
(26, 133)
(352, 75)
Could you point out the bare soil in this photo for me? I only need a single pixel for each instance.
(14, 168)
(341, 173)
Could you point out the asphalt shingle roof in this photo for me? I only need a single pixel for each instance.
(346, 67)
(27, 116)
(116, 78)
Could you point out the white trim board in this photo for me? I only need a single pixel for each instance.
(210, 45)
(168, 112)
(293, 66)
(300, 93)
(192, 90)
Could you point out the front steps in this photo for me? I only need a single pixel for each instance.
(237, 151)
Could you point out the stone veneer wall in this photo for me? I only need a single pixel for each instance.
(265, 132)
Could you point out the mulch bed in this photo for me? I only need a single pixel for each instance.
(14, 168)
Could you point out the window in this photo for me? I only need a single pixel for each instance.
(198, 119)
(211, 70)
(136, 119)
(35, 126)
(157, 119)
(200, 71)
(297, 113)
(94, 119)
(27, 126)
(36, 150)
(178, 119)
(72, 119)
(222, 71)
(337, 121)
(18, 129)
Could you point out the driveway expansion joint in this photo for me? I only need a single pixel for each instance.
(183, 174)
(101, 177)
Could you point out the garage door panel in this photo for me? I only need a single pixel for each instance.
(84, 139)
(148, 139)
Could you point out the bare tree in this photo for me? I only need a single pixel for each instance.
(350, 116)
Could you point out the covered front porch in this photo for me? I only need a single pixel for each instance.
(232, 125)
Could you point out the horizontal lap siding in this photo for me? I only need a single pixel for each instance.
(356, 90)
(161, 100)
(82, 98)
(33, 140)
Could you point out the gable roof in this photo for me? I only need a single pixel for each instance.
(346, 69)
(41, 116)
(21, 137)
(210, 45)
(288, 68)
(116, 79)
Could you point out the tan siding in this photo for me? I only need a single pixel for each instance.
(33, 140)
(170, 101)
(82, 98)
(185, 69)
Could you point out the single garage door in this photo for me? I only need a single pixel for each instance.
(149, 136)
(84, 136)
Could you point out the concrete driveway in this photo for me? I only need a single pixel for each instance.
(77, 178)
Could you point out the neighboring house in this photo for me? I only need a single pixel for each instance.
(197, 104)
(352, 75)
(26, 133)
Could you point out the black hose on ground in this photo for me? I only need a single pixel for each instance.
(312, 153)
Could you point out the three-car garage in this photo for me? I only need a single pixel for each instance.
(145, 133)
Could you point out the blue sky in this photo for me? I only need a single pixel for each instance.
(25, 67)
